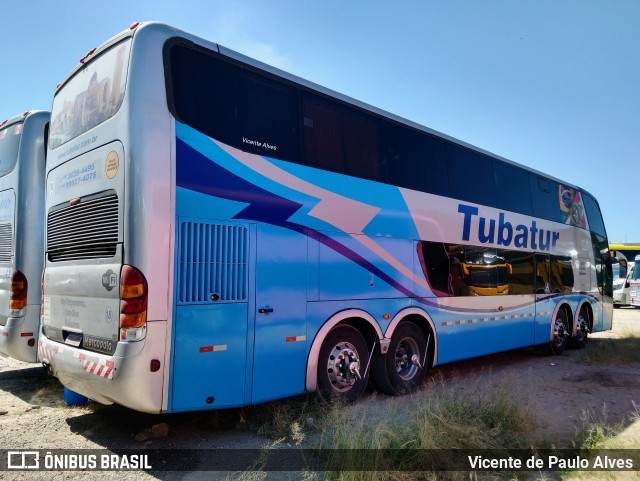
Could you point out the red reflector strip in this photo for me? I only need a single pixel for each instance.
(26, 334)
(221, 347)
(295, 338)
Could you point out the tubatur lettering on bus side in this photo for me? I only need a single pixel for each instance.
(502, 232)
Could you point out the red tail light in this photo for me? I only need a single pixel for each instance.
(133, 298)
(18, 300)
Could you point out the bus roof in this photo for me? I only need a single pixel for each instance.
(18, 118)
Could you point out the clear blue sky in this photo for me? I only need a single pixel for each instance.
(551, 84)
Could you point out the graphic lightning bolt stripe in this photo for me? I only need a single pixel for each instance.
(348, 215)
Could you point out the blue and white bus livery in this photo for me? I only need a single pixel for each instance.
(237, 235)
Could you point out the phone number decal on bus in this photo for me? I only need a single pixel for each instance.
(78, 176)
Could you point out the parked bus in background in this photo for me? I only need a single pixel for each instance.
(221, 233)
(634, 283)
(22, 174)
(622, 293)
(630, 251)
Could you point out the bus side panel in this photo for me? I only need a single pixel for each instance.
(209, 357)
(360, 267)
(211, 324)
(281, 337)
(475, 326)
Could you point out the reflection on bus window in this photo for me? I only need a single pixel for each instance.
(458, 270)
(478, 271)
(522, 277)
(92, 96)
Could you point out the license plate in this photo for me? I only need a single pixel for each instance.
(73, 338)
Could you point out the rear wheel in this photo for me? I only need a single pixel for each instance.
(404, 366)
(342, 365)
(558, 343)
(582, 329)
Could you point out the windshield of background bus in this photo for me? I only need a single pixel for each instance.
(9, 142)
(91, 96)
(636, 270)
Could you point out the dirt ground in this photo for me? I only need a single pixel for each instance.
(558, 389)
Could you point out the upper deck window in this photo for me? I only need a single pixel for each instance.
(91, 96)
(9, 145)
(596, 224)
(232, 104)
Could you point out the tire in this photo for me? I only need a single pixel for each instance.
(580, 339)
(558, 344)
(405, 365)
(342, 365)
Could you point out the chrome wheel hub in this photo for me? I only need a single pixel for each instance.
(407, 358)
(343, 366)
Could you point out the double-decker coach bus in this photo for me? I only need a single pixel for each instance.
(22, 174)
(221, 233)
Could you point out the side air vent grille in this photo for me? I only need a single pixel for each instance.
(6, 242)
(213, 262)
(87, 230)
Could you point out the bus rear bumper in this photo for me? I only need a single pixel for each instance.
(19, 336)
(124, 379)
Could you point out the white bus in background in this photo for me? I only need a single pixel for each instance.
(621, 291)
(22, 175)
(633, 280)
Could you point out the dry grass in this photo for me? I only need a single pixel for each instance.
(412, 428)
(623, 348)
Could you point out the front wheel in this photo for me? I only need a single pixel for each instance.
(404, 366)
(558, 344)
(342, 365)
